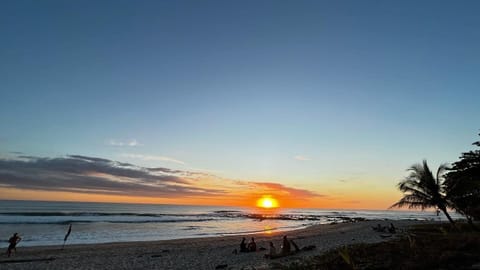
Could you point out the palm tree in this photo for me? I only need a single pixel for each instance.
(463, 185)
(422, 190)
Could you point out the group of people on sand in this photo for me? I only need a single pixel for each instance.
(250, 247)
(390, 229)
(285, 248)
(12, 244)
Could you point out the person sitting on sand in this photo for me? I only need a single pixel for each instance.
(379, 228)
(243, 245)
(285, 249)
(14, 240)
(272, 253)
(392, 229)
(252, 246)
(297, 249)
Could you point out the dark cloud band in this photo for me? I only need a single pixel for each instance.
(96, 175)
(76, 173)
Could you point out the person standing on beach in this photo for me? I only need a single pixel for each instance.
(13, 241)
(285, 246)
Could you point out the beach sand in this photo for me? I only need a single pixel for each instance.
(196, 253)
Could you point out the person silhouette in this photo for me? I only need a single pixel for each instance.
(392, 228)
(252, 246)
(13, 241)
(243, 245)
(272, 253)
(285, 246)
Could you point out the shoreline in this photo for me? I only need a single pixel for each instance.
(197, 253)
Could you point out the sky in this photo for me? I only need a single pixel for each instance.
(318, 103)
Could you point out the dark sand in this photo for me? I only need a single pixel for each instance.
(197, 253)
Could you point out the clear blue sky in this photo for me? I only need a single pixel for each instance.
(349, 88)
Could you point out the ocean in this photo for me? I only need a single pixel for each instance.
(46, 223)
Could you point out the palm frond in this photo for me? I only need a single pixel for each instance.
(421, 188)
(441, 172)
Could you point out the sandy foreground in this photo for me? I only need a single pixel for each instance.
(197, 253)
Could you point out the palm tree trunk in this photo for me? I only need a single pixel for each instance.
(444, 210)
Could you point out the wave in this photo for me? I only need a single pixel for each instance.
(66, 222)
(207, 216)
(75, 214)
(95, 216)
(63, 220)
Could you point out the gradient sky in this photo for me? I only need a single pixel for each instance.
(330, 101)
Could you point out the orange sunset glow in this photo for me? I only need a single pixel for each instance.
(239, 134)
(265, 124)
(267, 202)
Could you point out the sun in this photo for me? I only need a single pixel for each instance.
(267, 201)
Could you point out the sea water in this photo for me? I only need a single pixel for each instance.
(46, 223)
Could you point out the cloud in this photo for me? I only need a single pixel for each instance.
(354, 176)
(286, 190)
(301, 158)
(131, 143)
(152, 158)
(94, 175)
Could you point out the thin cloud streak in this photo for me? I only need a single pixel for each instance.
(130, 143)
(301, 158)
(296, 192)
(152, 158)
